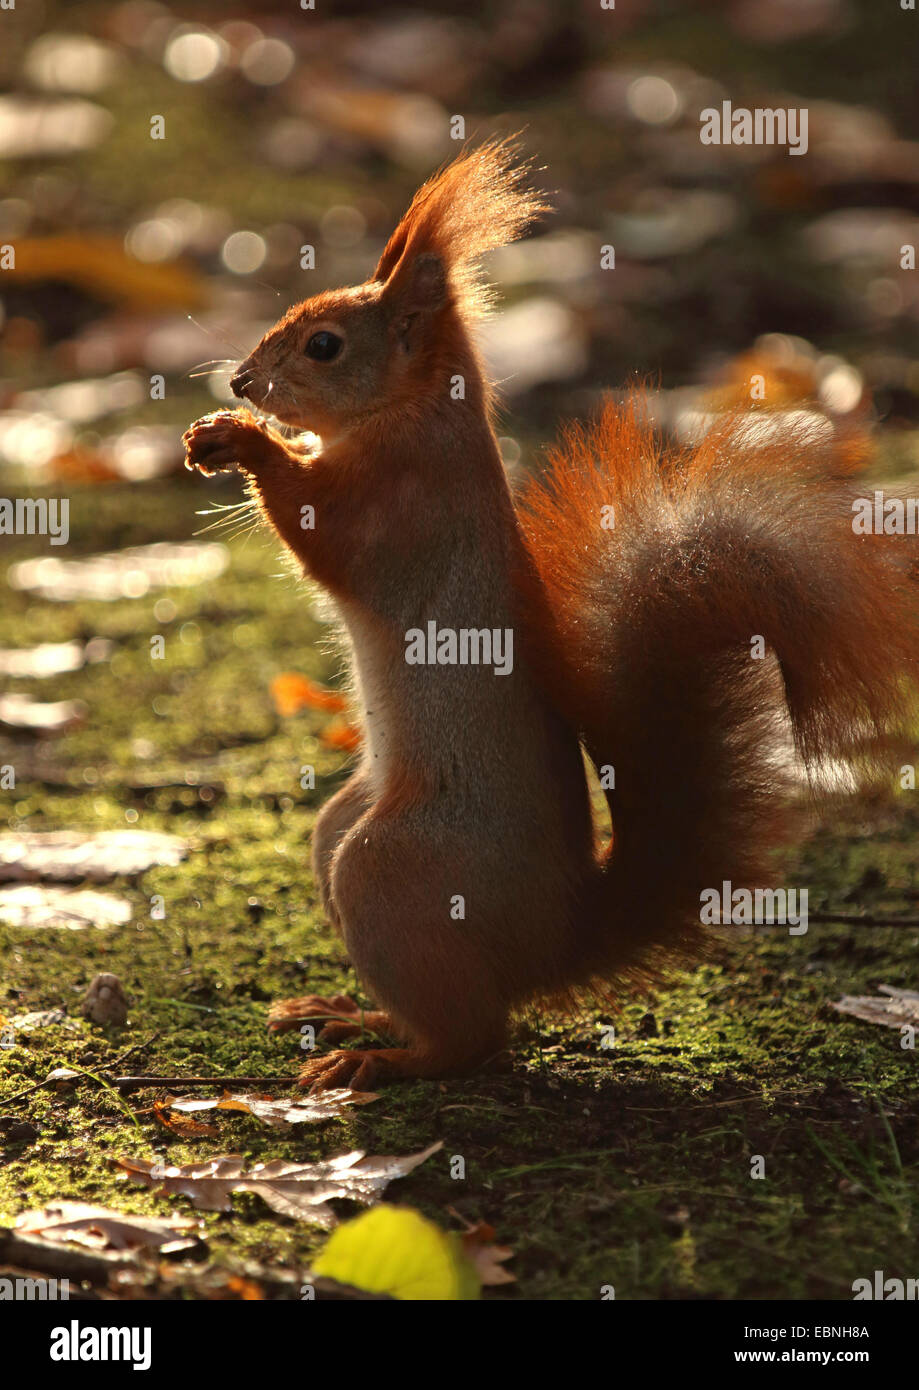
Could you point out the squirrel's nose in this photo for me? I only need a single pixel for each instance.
(238, 383)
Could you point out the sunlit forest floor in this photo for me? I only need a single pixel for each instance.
(628, 1166)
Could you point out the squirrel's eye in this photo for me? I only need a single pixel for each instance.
(323, 346)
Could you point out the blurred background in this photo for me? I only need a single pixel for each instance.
(285, 126)
(138, 269)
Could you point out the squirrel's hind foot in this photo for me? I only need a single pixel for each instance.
(361, 1070)
(286, 1014)
(346, 1019)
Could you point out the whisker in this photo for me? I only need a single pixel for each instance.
(251, 532)
(232, 535)
(214, 362)
(234, 514)
(226, 507)
(223, 521)
(265, 285)
(214, 334)
(238, 518)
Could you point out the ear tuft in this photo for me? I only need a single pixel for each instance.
(480, 201)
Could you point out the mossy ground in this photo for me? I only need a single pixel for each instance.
(628, 1166)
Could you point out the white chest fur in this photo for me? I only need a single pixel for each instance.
(369, 662)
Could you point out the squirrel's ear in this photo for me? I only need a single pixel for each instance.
(416, 289)
(480, 201)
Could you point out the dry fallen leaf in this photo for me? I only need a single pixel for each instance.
(292, 692)
(64, 1077)
(39, 1018)
(182, 1125)
(118, 574)
(324, 1105)
(900, 1007)
(101, 1228)
(210, 1282)
(137, 454)
(301, 1191)
(68, 856)
(34, 905)
(487, 1257)
(244, 1289)
(53, 658)
(342, 735)
(97, 263)
(38, 717)
(47, 659)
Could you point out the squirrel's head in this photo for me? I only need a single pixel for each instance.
(336, 358)
(347, 355)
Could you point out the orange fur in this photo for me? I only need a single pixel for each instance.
(635, 642)
(652, 656)
(478, 202)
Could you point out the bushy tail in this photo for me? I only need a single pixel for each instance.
(668, 575)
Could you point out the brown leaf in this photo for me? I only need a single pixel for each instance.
(39, 1018)
(899, 1008)
(292, 692)
(53, 658)
(181, 1125)
(40, 717)
(47, 659)
(34, 905)
(101, 1228)
(244, 1289)
(488, 1258)
(338, 733)
(68, 856)
(137, 454)
(301, 1191)
(98, 263)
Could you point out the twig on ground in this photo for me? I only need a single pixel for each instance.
(138, 1082)
(50, 1079)
(855, 919)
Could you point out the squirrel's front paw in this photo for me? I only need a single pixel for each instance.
(217, 441)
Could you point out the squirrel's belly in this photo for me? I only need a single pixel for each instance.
(368, 664)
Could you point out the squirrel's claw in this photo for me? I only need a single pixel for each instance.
(355, 1069)
(363, 1068)
(212, 444)
(232, 438)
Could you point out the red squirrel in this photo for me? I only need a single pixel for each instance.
(460, 862)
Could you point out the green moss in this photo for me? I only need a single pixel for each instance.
(629, 1166)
